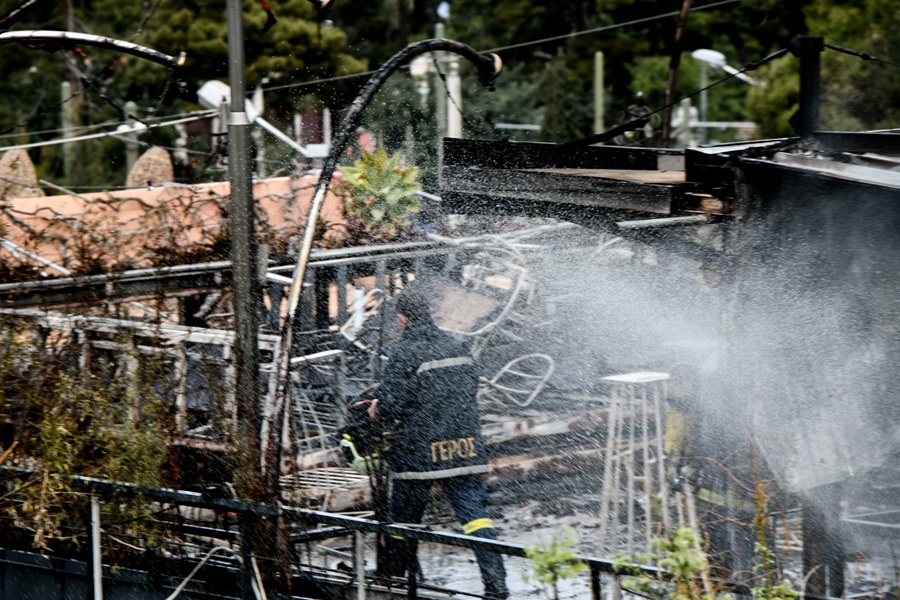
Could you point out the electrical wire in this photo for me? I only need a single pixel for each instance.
(150, 13)
(99, 125)
(41, 114)
(315, 82)
(862, 55)
(169, 148)
(92, 136)
(91, 81)
(521, 45)
(642, 120)
(674, 13)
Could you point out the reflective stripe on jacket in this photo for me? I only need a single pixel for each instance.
(429, 404)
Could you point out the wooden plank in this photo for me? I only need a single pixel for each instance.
(662, 177)
(550, 186)
(176, 333)
(535, 155)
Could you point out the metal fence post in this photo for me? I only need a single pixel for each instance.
(359, 564)
(96, 557)
(595, 582)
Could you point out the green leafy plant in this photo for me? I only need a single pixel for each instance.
(554, 562)
(105, 423)
(380, 195)
(679, 554)
(769, 588)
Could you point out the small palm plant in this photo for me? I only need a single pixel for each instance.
(381, 195)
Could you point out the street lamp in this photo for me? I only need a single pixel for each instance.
(716, 60)
(214, 93)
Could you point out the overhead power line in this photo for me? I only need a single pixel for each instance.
(93, 136)
(862, 55)
(642, 120)
(523, 44)
(94, 126)
(673, 13)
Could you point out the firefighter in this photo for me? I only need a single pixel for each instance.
(713, 461)
(429, 405)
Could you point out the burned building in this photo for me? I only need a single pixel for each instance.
(788, 314)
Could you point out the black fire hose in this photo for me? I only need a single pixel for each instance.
(488, 66)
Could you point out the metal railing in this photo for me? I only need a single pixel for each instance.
(337, 526)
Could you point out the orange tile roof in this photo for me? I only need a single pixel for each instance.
(134, 225)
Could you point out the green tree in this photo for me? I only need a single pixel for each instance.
(565, 117)
(856, 94)
(296, 48)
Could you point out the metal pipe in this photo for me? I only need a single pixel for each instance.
(658, 393)
(19, 249)
(45, 39)
(664, 222)
(596, 589)
(185, 498)
(648, 471)
(243, 254)
(606, 507)
(359, 564)
(96, 560)
(630, 471)
(16, 249)
(281, 136)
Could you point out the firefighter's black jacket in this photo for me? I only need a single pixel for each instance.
(429, 404)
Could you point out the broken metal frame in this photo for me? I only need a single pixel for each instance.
(392, 265)
(182, 349)
(391, 273)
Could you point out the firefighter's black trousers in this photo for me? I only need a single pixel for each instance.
(468, 497)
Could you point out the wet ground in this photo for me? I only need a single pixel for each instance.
(527, 522)
(532, 513)
(537, 512)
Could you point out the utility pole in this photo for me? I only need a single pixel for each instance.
(67, 116)
(673, 73)
(454, 112)
(246, 294)
(131, 148)
(440, 101)
(806, 121)
(598, 93)
(704, 103)
(71, 108)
